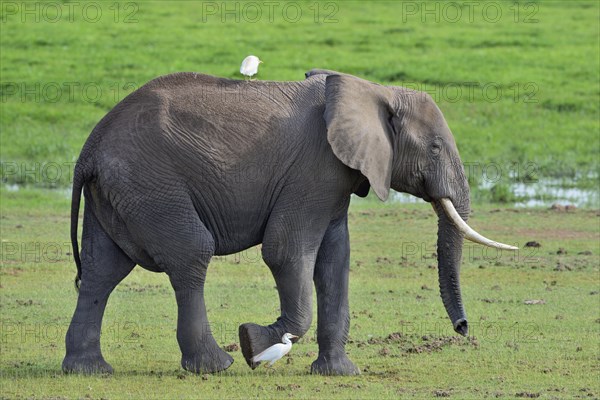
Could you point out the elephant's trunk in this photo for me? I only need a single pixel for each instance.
(449, 250)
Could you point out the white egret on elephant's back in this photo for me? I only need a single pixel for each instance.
(249, 66)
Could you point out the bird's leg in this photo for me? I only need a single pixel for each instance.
(270, 367)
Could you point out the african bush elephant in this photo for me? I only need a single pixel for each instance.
(190, 166)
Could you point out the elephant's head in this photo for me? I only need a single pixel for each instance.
(398, 138)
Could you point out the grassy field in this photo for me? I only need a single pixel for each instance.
(519, 84)
(400, 335)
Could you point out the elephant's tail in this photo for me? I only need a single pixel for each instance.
(78, 181)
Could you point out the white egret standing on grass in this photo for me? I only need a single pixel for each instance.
(275, 352)
(250, 66)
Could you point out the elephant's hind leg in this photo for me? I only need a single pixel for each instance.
(171, 232)
(104, 265)
(200, 353)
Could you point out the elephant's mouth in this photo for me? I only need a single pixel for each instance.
(426, 197)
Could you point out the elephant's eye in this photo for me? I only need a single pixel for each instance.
(436, 146)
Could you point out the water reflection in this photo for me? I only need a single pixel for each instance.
(543, 193)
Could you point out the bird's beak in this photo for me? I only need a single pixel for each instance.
(261, 62)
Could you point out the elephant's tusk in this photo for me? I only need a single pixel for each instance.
(470, 233)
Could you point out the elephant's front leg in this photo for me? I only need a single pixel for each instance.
(331, 281)
(290, 252)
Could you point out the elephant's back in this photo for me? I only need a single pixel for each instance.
(186, 122)
(228, 119)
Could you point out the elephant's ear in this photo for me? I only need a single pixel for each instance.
(357, 115)
(318, 71)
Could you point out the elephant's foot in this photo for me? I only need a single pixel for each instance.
(334, 365)
(86, 364)
(254, 339)
(207, 362)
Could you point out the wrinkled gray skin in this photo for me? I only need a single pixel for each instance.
(190, 166)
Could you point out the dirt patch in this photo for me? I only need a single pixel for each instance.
(136, 287)
(349, 385)
(491, 301)
(291, 386)
(27, 303)
(231, 347)
(383, 260)
(413, 344)
(561, 208)
(16, 271)
(433, 343)
(527, 395)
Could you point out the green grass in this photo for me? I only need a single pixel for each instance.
(516, 349)
(520, 93)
